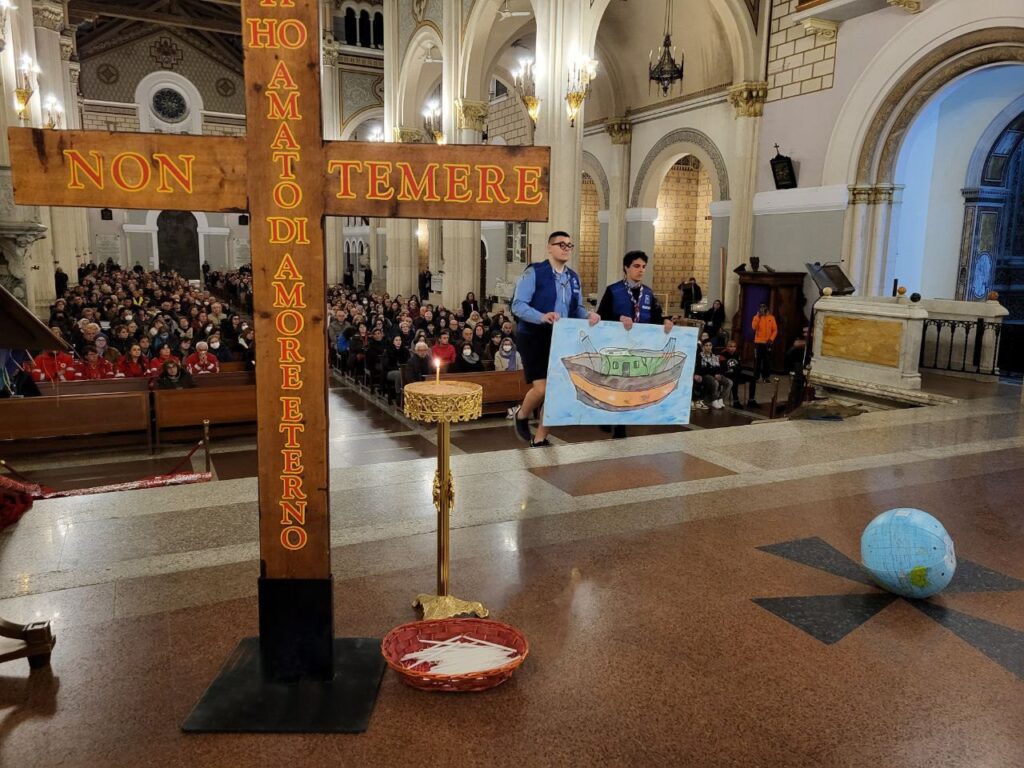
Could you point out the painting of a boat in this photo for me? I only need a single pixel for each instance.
(623, 379)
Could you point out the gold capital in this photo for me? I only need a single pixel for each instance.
(620, 129)
(748, 98)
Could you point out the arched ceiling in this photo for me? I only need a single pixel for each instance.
(625, 38)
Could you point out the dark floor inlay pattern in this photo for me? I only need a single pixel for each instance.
(829, 618)
(819, 554)
(1005, 646)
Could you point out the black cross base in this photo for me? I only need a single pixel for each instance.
(295, 677)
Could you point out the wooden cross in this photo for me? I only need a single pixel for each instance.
(287, 178)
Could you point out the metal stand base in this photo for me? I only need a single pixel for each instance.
(243, 700)
(447, 606)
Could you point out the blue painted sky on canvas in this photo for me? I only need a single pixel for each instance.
(563, 407)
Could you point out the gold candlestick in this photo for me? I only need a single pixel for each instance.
(434, 401)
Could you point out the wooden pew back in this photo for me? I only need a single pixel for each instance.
(190, 407)
(502, 389)
(74, 415)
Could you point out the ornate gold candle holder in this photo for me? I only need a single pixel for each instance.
(444, 402)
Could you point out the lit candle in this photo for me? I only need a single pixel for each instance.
(437, 367)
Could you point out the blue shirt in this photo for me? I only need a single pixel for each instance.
(524, 295)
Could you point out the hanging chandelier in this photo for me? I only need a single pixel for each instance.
(664, 70)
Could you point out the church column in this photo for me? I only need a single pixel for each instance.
(462, 238)
(603, 263)
(640, 236)
(77, 217)
(559, 41)
(748, 100)
(402, 246)
(855, 237)
(47, 22)
(621, 132)
(334, 235)
(881, 219)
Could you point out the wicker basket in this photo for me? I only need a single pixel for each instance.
(406, 639)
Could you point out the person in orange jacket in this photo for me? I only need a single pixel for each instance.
(765, 331)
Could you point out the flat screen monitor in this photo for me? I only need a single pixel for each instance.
(831, 276)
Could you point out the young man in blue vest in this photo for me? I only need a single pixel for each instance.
(630, 301)
(547, 291)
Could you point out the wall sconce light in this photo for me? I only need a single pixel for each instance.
(5, 8)
(582, 72)
(432, 121)
(27, 71)
(526, 86)
(54, 112)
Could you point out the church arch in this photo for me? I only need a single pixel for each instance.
(592, 167)
(666, 153)
(416, 76)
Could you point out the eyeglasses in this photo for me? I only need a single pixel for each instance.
(564, 246)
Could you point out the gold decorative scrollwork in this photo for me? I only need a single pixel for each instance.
(449, 401)
(437, 491)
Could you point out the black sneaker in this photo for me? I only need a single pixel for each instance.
(751, 403)
(737, 404)
(618, 432)
(542, 444)
(523, 430)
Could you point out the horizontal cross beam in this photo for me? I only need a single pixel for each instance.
(157, 171)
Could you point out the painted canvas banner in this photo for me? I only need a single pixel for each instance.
(608, 375)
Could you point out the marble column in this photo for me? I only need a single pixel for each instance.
(640, 236)
(621, 132)
(334, 234)
(856, 237)
(461, 239)
(747, 100)
(402, 247)
(882, 197)
(560, 26)
(76, 221)
(603, 263)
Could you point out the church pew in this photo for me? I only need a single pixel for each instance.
(190, 407)
(140, 384)
(74, 415)
(502, 389)
(235, 366)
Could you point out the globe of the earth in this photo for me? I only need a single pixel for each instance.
(908, 552)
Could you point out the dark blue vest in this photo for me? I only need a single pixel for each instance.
(546, 290)
(622, 302)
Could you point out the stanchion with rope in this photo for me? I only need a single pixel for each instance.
(206, 442)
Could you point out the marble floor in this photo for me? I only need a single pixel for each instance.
(691, 596)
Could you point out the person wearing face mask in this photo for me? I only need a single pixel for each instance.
(468, 361)
(507, 358)
(201, 361)
(218, 349)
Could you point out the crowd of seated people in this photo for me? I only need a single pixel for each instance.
(372, 337)
(135, 324)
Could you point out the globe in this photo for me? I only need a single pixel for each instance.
(908, 552)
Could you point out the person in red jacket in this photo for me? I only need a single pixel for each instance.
(133, 364)
(156, 365)
(765, 330)
(53, 366)
(201, 361)
(443, 351)
(93, 367)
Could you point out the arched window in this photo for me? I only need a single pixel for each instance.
(378, 31)
(364, 29)
(351, 35)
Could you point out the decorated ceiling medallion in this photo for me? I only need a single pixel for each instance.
(169, 105)
(166, 53)
(226, 87)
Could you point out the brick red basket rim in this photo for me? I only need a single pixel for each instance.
(444, 629)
